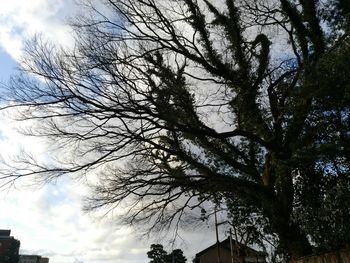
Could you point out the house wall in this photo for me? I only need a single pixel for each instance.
(342, 256)
(9, 245)
(29, 259)
(44, 260)
(5, 245)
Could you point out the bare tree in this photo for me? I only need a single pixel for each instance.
(172, 103)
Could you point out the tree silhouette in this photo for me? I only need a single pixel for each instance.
(157, 254)
(172, 103)
(176, 256)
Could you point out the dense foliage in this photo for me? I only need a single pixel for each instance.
(173, 103)
(157, 254)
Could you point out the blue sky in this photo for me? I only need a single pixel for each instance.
(7, 65)
(49, 220)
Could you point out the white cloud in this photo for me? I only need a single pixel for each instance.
(20, 19)
(49, 221)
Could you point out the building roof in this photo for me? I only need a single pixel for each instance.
(225, 244)
(5, 232)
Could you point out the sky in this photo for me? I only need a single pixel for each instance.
(49, 220)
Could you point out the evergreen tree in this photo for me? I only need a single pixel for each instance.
(176, 256)
(157, 254)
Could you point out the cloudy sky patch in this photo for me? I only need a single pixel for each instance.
(20, 19)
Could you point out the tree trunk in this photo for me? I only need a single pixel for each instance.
(299, 245)
(293, 240)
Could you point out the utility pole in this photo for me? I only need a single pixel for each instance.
(231, 245)
(217, 236)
